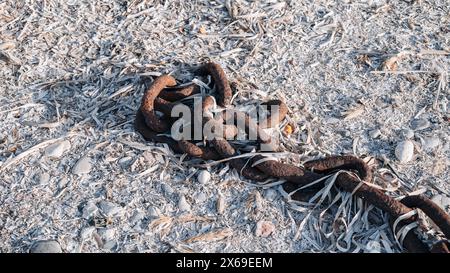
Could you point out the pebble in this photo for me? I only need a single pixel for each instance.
(137, 216)
(154, 212)
(430, 143)
(110, 209)
(43, 178)
(441, 200)
(89, 210)
(82, 166)
(109, 245)
(270, 194)
(200, 197)
(375, 133)
(46, 246)
(264, 228)
(86, 233)
(404, 151)
(183, 205)
(56, 150)
(107, 234)
(221, 204)
(408, 133)
(203, 176)
(420, 124)
(168, 190)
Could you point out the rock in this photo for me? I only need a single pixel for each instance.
(375, 133)
(168, 190)
(441, 200)
(430, 143)
(200, 197)
(221, 204)
(270, 194)
(408, 133)
(404, 151)
(204, 177)
(110, 209)
(89, 210)
(86, 233)
(137, 216)
(154, 212)
(46, 246)
(82, 166)
(183, 205)
(420, 124)
(264, 228)
(43, 178)
(56, 150)
(109, 245)
(107, 234)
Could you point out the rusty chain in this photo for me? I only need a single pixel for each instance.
(164, 94)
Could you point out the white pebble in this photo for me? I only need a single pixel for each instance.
(375, 133)
(270, 194)
(183, 205)
(43, 178)
(137, 216)
(221, 204)
(86, 233)
(82, 166)
(107, 234)
(264, 228)
(89, 210)
(56, 150)
(46, 246)
(154, 212)
(110, 209)
(430, 143)
(404, 151)
(200, 197)
(408, 133)
(204, 177)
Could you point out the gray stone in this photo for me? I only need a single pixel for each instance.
(86, 233)
(82, 166)
(89, 210)
(420, 124)
(270, 194)
(110, 209)
(200, 197)
(46, 246)
(137, 216)
(408, 133)
(154, 212)
(375, 133)
(56, 150)
(43, 178)
(430, 143)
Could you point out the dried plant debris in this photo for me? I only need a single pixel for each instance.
(81, 80)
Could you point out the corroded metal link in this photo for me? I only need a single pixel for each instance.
(432, 210)
(150, 135)
(277, 117)
(178, 93)
(148, 100)
(220, 80)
